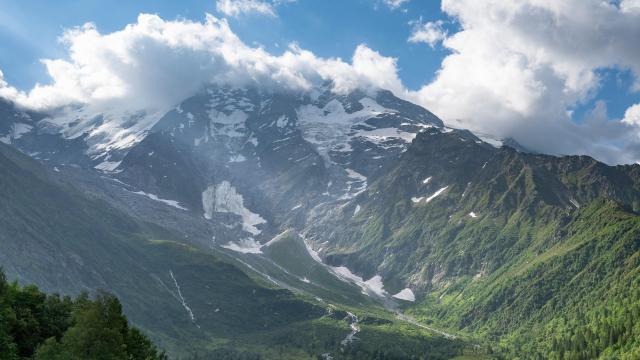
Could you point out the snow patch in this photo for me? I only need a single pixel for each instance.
(356, 175)
(173, 203)
(16, 132)
(245, 246)
(20, 129)
(332, 128)
(282, 121)
(224, 198)
(314, 254)
(237, 158)
(575, 203)
(384, 134)
(276, 238)
(235, 117)
(375, 284)
(405, 294)
(356, 185)
(491, 141)
(437, 193)
(428, 199)
(105, 131)
(108, 166)
(371, 286)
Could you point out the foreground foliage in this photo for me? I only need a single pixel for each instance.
(34, 325)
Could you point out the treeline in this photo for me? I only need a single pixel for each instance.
(34, 325)
(595, 329)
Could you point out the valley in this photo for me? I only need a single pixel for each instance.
(244, 222)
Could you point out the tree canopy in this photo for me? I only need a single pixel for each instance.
(35, 325)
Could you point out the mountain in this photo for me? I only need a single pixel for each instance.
(66, 239)
(523, 249)
(360, 200)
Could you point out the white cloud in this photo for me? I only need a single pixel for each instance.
(6, 91)
(394, 4)
(150, 66)
(430, 33)
(517, 69)
(630, 5)
(238, 7)
(154, 64)
(632, 115)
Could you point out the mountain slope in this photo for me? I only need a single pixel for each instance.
(363, 198)
(257, 161)
(500, 242)
(188, 300)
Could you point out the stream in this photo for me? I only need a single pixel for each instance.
(353, 324)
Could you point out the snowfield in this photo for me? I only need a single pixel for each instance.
(172, 203)
(405, 294)
(224, 198)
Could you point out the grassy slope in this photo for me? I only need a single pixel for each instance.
(521, 304)
(529, 258)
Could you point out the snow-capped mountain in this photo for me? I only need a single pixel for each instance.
(250, 163)
(351, 199)
(260, 157)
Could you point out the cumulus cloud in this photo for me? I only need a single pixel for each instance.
(238, 7)
(517, 69)
(7, 91)
(632, 115)
(154, 64)
(395, 4)
(430, 33)
(630, 5)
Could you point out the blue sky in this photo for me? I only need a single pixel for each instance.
(544, 72)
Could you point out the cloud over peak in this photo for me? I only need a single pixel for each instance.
(514, 70)
(154, 64)
(517, 69)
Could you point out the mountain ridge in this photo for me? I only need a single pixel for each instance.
(379, 201)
